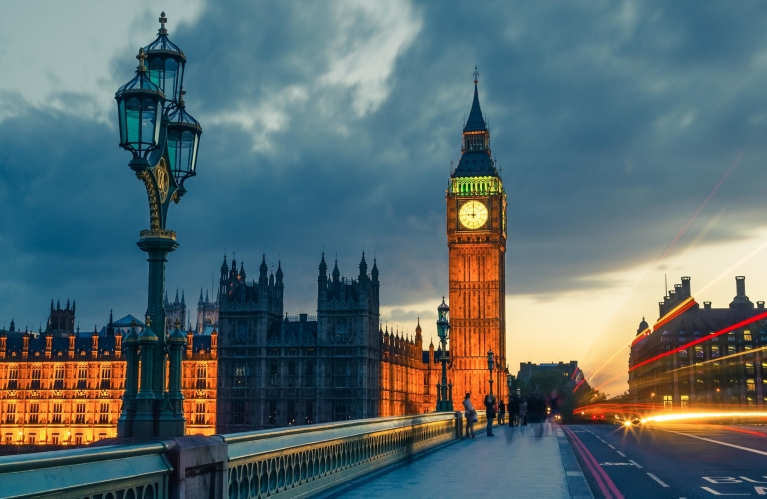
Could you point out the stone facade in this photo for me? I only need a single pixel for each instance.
(476, 240)
(63, 387)
(339, 365)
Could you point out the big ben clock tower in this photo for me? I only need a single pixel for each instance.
(476, 240)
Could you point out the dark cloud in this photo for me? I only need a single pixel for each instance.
(612, 122)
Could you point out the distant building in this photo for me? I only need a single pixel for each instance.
(278, 370)
(700, 356)
(569, 369)
(64, 387)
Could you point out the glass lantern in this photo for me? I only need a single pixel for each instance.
(165, 63)
(183, 140)
(139, 107)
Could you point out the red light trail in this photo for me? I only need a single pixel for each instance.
(726, 330)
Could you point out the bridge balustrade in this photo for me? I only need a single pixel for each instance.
(285, 462)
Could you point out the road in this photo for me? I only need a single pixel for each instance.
(672, 461)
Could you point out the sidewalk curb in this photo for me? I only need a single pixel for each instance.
(576, 481)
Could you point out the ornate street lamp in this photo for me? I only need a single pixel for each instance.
(509, 382)
(444, 390)
(490, 365)
(163, 140)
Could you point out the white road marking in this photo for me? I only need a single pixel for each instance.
(635, 463)
(614, 464)
(661, 482)
(709, 489)
(610, 446)
(621, 453)
(748, 449)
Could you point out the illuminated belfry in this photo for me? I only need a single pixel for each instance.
(476, 239)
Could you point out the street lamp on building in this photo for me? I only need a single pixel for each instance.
(444, 390)
(490, 367)
(163, 140)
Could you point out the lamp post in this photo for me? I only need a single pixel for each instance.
(490, 365)
(509, 381)
(444, 390)
(163, 140)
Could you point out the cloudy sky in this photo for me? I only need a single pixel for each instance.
(333, 124)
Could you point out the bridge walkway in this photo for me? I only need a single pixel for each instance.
(533, 461)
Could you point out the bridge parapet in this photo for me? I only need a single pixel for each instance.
(303, 461)
(287, 462)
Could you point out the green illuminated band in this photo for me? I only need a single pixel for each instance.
(472, 186)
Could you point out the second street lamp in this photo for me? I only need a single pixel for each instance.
(490, 366)
(163, 140)
(444, 390)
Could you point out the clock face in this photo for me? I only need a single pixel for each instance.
(473, 214)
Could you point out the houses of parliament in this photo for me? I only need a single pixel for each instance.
(248, 365)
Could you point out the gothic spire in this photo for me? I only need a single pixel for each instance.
(476, 122)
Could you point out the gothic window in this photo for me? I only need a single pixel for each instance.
(13, 377)
(272, 414)
(57, 413)
(34, 411)
(274, 374)
(309, 375)
(292, 373)
(309, 415)
(58, 382)
(699, 352)
(36, 374)
(80, 414)
(82, 377)
(199, 417)
(341, 374)
(291, 412)
(240, 375)
(55, 323)
(341, 412)
(747, 336)
(106, 376)
(202, 376)
(238, 411)
(714, 351)
(10, 413)
(104, 413)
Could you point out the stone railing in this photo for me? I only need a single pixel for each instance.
(302, 461)
(287, 462)
(125, 471)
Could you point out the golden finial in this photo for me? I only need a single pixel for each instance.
(163, 20)
(148, 321)
(141, 57)
(177, 323)
(476, 75)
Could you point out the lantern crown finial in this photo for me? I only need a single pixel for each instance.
(163, 21)
(141, 58)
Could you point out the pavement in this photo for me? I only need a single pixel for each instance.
(672, 461)
(533, 461)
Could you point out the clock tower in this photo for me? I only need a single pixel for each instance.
(476, 241)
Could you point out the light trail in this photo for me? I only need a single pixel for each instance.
(717, 359)
(726, 330)
(700, 208)
(671, 246)
(664, 418)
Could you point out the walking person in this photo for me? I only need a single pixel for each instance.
(514, 411)
(501, 412)
(470, 415)
(523, 413)
(490, 409)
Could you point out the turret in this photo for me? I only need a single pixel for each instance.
(336, 273)
(214, 344)
(418, 337)
(25, 347)
(3, 344)
(110, 326)
(363, 277)
(242, 271)
(200, 302)
(71, 349)
(189, 344)
(94, 343)
(262, 272)
(322, 280)
(48, 345)
(118, 344)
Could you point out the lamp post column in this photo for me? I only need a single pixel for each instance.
(444, 389)
(490, 363)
